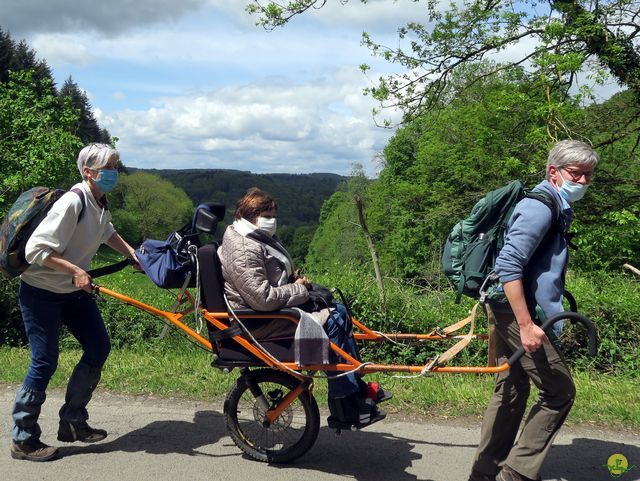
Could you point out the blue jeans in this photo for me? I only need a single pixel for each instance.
(42, 313)
(339, 328)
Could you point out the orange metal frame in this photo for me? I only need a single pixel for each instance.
(222, 320)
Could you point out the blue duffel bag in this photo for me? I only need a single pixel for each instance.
(166, 262)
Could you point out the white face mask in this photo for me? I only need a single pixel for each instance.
(572, 191)
(267, 224)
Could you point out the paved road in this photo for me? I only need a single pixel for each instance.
(168, 439)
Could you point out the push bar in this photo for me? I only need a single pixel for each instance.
(573, 317)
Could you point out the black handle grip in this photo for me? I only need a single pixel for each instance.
(110, 269)
(573, 317)
(573, 306)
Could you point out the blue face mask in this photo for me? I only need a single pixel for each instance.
(572, 191)
(107, 180)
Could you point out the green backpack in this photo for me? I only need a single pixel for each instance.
(473, 245)
(23, 217)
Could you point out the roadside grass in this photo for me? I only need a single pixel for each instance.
(173, 368)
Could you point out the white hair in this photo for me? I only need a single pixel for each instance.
(572, 152)
(96, 156)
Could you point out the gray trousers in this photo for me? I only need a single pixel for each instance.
(547, 369)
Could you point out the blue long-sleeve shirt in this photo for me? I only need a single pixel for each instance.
(542, 270)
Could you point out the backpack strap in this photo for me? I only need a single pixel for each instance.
(83, 200)
(548, 200)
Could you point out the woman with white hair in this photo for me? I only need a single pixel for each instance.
(57, 289)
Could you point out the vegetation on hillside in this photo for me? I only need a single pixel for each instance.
(489, 125)
(299, 196)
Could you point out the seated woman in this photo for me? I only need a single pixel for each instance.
(259, 274)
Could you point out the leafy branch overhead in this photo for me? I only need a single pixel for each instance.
(553, 41)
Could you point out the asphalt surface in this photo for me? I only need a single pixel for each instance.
(171, 439)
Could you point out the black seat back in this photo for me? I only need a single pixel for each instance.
(229, 352)
(211, 281)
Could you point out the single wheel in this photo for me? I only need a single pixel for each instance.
(290, 436)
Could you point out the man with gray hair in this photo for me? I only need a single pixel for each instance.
(531, 268)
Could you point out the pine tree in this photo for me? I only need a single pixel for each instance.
(24, 58)
(7, 48)
(87, 127)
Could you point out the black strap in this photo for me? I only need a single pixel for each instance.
(110, 269)
(550, 202)
(230, 331)
(547, 199)
(83, 201)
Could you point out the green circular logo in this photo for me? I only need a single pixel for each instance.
(617, 465)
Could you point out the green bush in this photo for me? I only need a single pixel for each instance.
(609, 300)
(11, 329)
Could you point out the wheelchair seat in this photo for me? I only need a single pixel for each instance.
(273, 330)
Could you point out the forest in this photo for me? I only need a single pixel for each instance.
(470, 125)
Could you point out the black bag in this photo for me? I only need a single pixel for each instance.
(320, 298)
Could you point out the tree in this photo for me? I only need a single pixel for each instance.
(437, 166)
(556, 40)
(87, 127)
(6, 54)
(36, 146)
(146, 206)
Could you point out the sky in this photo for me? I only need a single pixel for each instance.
(196, 84)
(187, 84)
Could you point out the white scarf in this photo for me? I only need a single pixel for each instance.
(244, 227)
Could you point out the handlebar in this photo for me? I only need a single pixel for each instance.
(110, 269)
(573, 317)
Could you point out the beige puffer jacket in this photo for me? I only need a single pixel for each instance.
(251, 275)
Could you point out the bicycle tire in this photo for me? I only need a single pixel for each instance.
(289, 437)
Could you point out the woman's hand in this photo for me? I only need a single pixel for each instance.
(82, 280)
(304, 281)
(136, 262)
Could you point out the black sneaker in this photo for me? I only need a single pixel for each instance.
(33, 451)
(71, 432)
(353, 411)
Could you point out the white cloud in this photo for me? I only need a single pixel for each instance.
(61, 49)
(262, 128)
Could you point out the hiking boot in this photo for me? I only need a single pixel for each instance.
(480, 476)
(33, 451)
(70, 432)
(510, 474)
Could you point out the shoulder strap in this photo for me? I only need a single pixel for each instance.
(82, 200)
(547, 199)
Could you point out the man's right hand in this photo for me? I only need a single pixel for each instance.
(532, 337)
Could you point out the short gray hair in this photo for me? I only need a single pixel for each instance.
(571, 152)
(96, 156)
